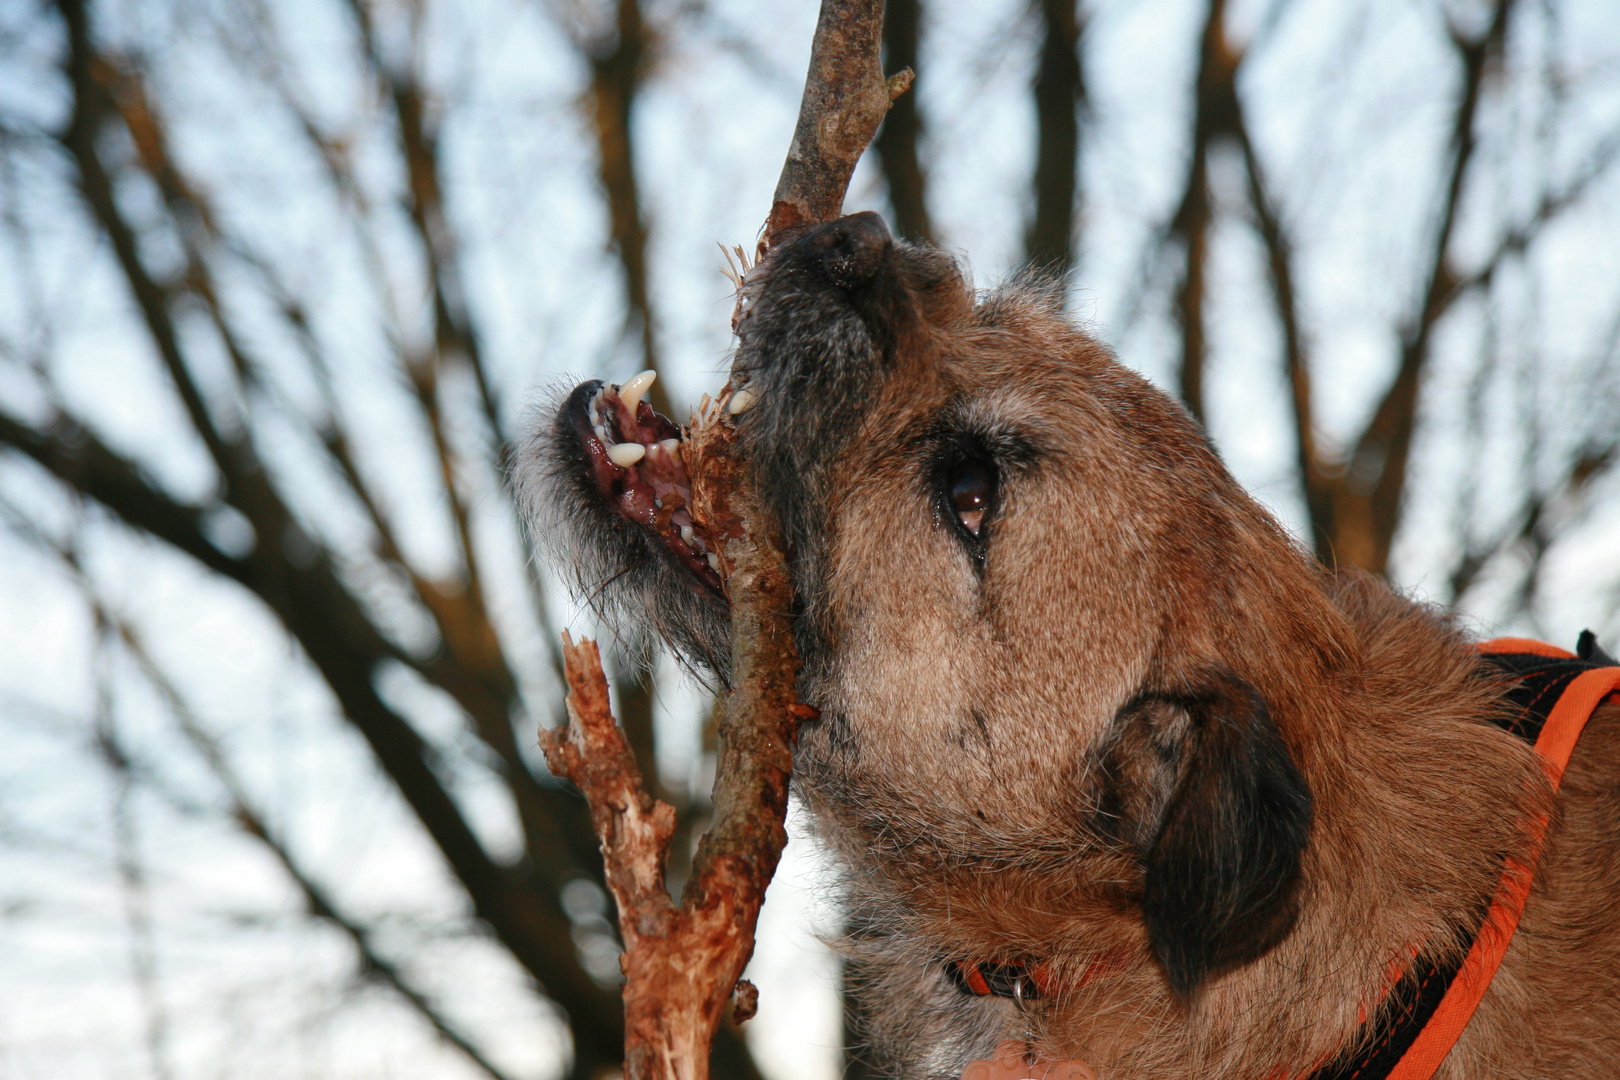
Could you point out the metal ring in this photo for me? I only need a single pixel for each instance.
(1018, 989)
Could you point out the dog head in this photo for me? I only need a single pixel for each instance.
(1045, 628)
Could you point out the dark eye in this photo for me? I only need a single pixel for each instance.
(970, 488)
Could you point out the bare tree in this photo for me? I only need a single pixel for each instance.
(117, 138)
(1355, 488)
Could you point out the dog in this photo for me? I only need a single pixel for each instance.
(1115, 772)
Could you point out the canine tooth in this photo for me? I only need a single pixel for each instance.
(741, 401)
(630, 393)
(669, 446)
(626, 454)
(686, 533)
(714, 562)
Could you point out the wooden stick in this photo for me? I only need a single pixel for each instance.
(845, 98)
(682, 963)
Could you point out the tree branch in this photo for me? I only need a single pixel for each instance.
(901, 130)
(1060, 94)
(471, 668)
(321, 904)
(682, 963)
(1369, 505)
(90, 106)
(1215, 108)
(324, 619)
(1315, 479)
(845, 99)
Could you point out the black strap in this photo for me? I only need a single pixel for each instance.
(1539, 681)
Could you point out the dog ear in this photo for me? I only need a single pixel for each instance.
(1223, 870)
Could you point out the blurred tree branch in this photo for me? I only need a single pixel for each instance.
(897, 137)
(1353, 500)
(1216, 110)
(1060, 98)
(320, 902)
(1365, 494)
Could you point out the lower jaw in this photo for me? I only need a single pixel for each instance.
(635, 464)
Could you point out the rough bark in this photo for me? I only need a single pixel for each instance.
(845, 99)
(682, 962)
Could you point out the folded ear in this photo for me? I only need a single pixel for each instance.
(1223, 870)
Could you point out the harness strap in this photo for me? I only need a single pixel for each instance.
(1424, 1015)
(1025, 980)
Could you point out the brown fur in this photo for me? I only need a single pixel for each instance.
(1028, 755)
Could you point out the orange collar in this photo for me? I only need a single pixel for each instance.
(1027, 980)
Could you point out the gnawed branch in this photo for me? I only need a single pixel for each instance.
(682, 962)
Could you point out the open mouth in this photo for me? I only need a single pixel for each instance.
(634, 456)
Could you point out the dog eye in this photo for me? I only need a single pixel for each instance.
(971, 488)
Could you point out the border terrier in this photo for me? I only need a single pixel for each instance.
(1113, 769)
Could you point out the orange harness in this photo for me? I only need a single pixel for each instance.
(1423, 1017)
(1427, 1009)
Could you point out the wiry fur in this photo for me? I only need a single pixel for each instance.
(1130, 719)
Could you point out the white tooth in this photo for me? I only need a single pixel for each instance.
(630, 393)
(626, 454)
(602, 433)
(741, 401)
(669, 446)
(714, 562)
(686, 533)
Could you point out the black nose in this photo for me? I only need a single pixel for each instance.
(849, 250)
